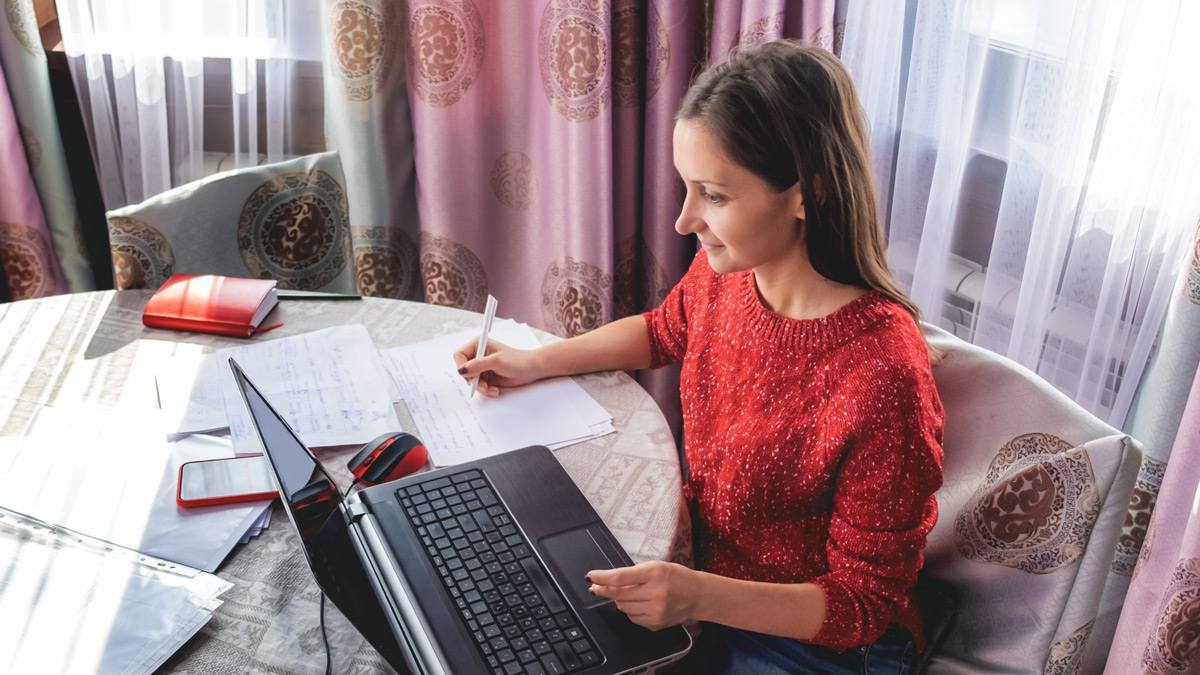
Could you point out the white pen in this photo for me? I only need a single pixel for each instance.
(489, 313)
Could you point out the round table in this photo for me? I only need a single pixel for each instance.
(91, 346)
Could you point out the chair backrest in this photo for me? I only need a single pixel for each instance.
(287, 221)
(1035, 493)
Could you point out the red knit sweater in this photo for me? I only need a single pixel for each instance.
(814, 446)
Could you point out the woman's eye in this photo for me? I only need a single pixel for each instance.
(711, 198)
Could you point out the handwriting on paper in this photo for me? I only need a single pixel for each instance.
(458, 428)
(327, 384)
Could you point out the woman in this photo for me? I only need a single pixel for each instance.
(811, 424)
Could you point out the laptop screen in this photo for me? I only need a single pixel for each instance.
(311, 500)
(309, 495)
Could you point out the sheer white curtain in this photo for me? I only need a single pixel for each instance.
(151, 77)
(1039, 169)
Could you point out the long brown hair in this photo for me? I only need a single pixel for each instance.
(788, 113)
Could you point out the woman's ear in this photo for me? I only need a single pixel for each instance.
(797, 201)
(818, 193)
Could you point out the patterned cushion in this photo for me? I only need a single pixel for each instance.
(1035, 494)
(288, 221)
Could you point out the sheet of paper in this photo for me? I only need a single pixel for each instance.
(457, 428)
(190, 404)
(594, 431)
(116, 481)
(328, 384)
(257, 527)
(191, 388)
(121, 615)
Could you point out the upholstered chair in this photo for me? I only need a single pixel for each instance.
(1035, 496)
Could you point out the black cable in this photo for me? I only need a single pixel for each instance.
(325, 639)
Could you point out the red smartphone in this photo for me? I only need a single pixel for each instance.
(229, 480)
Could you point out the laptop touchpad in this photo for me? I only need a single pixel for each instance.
(574, 553)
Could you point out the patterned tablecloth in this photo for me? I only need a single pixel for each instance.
(92, 346)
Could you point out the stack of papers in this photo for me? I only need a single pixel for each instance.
(457, 427)
(328, 384)
(257, 527)
(70, 603)
(115, 479)
(335, 388)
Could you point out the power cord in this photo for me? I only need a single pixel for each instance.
(325, 638)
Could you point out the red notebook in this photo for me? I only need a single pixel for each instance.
(212, 304)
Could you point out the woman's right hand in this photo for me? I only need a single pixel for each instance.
(501, 366)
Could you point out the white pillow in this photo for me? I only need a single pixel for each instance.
(288, 221)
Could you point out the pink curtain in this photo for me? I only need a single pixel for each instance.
(30, 268)
(542, 141)
(1159, 628)
(543, 153)
(751, 22)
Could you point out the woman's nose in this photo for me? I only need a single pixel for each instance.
(688, 222)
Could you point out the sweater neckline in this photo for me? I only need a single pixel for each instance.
(819, 333)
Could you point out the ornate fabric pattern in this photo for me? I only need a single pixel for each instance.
(1147, 549)
(1066, 655)
(1141, 507)
(385, 262)
(445, 43)
(764, 30)
(23, 21)
(33, 149)
(453, 275)
(514, 180)
(827, 38)
(362, 45)
(25, 257)
(1035, 509)
(573, 52)
(635, 53)
(575, 297)
(640, 283)
(142, 257)
(1175, 638)
(1191, 288)
(294, 228)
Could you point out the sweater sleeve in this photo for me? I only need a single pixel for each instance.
(668, 323)
(883, 507)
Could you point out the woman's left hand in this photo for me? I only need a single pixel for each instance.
(654, 594)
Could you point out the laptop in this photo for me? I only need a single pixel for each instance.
(474, 568)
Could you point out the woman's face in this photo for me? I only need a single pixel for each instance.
(740, 220)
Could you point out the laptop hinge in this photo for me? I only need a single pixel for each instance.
(356, 510)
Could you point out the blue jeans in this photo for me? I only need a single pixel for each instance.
(728, 651)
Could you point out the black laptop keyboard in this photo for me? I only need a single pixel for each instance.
(504, 597)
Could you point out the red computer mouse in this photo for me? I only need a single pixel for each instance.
(387, 458)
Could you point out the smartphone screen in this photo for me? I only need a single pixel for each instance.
(225, 478)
